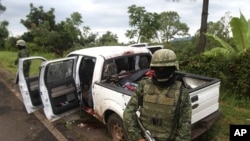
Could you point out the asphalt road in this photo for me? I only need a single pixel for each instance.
(15, 123)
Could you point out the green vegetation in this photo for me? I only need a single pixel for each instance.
(226, 58)
(8, 58)
(230, 103)
(147, 26)
(241, 33)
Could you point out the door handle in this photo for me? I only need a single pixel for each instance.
(195, 106)
(194, 98)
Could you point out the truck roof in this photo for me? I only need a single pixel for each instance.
(110, 51)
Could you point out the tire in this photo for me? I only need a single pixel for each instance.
(116, 128)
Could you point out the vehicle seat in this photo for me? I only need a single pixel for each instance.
(110, 71)
(86, 72)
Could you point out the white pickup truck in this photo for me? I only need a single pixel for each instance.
(101, 80)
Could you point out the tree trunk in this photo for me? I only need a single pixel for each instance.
(202, 42)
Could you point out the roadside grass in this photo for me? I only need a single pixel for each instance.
(234, 111)
(8, 58)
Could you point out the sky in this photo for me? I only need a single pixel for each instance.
(112, 15)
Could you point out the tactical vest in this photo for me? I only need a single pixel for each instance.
(158, 109)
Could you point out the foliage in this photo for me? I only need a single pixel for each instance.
(38, 17)
(170, 26)
(88, 38)
(221, 28)
(224, 49)
(233, 72)
(2, 8)
(10, 44)
(142, 23)
(108, 39)
(47, 35)
(147, 26)
(241, 34)
(4, 33)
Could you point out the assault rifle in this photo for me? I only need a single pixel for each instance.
(148, 136)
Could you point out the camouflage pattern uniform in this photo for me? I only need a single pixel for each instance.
(23, 52)
(161, 112)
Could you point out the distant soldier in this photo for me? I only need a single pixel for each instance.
(23, 52)
(162, 101)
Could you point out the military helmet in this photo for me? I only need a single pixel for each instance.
(20, 43)
(164, 58)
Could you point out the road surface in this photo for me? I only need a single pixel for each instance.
(17, 125)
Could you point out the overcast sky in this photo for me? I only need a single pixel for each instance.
(112, 15)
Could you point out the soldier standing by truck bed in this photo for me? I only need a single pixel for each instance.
(163, 103)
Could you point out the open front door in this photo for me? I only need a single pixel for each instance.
(27, 77)
(58, 88)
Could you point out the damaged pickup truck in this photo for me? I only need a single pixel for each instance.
(101, 80)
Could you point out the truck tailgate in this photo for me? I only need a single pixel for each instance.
(204, 94)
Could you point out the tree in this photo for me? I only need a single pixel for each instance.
(241, 34)
(88, 38)
(136, 17)
(37, 17)
(148, 26)
(39, 25)
(71, 26)
(46, 34)
(2, 8)
(67, 34)
(170, 26)
(220, 28)
(108, 39)
(4, 33)
(202, 41)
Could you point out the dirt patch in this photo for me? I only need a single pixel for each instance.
(82, 128)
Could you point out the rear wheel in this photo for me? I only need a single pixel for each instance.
(116, 128)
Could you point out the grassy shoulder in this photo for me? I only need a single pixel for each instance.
(234, 111)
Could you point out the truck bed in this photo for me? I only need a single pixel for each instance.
(203, 91)
(204, 94)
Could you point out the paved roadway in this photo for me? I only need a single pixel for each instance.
(15, 123)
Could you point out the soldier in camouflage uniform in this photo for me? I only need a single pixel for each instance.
(162, 101)
(23, 52)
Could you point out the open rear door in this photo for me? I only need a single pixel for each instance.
(58, 89)
(27, 77)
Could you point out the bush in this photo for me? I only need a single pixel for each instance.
(234, 73)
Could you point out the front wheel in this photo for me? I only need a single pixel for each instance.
(116, 128)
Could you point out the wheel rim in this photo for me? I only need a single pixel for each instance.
(117, 132)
